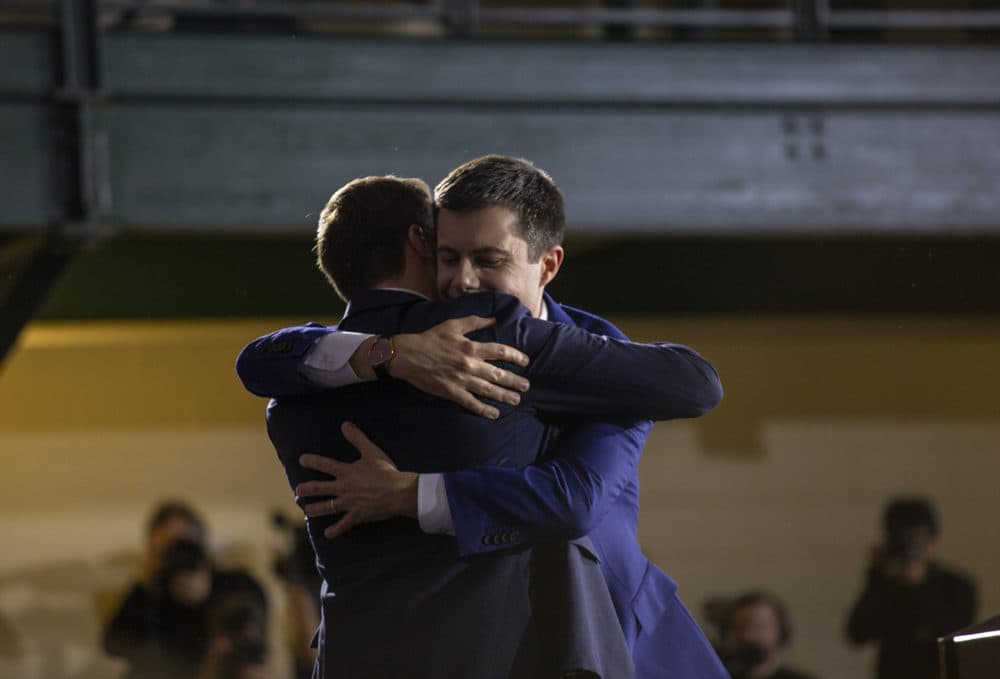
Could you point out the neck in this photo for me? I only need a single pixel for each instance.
(411, 283)
(539, 306)
(769, 667)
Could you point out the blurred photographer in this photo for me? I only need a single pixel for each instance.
(909, 600)
(163, 630)
(755, 632)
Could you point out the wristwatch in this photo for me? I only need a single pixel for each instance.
(380, 355)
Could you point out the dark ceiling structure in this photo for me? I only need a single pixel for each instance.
(179, 171)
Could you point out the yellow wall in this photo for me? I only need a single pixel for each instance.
(780, 487)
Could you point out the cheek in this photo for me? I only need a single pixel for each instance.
(499, 280)
(768, 634)
(445, 275)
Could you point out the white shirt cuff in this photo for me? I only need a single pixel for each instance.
(433, 511)
(328, 362)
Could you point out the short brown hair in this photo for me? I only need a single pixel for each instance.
(514, 183)
(363, 229)
(175, 509)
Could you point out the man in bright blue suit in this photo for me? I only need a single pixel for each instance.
(586, 485)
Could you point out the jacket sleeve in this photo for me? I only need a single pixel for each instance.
(131, 633)
(574, 371)
(878, 610)
(271, 365)
(564, 498)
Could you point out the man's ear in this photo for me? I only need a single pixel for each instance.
(415, 236)
(550, 263)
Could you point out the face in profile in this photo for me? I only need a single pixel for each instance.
(482, 250)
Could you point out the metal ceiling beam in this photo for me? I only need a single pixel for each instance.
(57, 140)
(245, 132)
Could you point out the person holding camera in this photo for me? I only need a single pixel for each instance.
(163, 628)
(755, 632)
(910, 600)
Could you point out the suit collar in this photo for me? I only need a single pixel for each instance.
(556, 313)
(370, 300)
(381, 298)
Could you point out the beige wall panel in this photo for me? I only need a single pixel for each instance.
(781, 487)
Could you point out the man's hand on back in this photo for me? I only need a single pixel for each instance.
(368, 490)
(443, 362)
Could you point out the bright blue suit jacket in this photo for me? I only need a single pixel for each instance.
(589, 485)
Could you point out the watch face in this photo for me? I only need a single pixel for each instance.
(381, 351)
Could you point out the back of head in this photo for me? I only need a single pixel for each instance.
(513, 183)
(903, 513)
(175, 511)
(361, 238)
(761, 598)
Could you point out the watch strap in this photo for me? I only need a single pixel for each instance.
(381, 365)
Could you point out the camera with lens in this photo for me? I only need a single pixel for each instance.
(904, 544)
(910, 525)
(241, 619)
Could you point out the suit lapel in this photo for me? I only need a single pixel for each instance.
(556, 312)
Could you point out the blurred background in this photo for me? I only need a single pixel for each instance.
(806, 191)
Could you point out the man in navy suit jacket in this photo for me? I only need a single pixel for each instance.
(588, 485)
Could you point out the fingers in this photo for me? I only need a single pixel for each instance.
(501, 377)
(471, 403)
(323, 508)
(345, 524)
(492, 351)
(317, 488)
(329, 507)
(475, 371)
(320, 464)
(481, 387)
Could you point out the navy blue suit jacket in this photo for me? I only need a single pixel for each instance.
(571, 371)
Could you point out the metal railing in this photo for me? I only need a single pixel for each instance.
(789, 20)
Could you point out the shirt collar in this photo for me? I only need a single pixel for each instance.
(407, 291)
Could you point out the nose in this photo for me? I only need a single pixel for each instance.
(466, 279)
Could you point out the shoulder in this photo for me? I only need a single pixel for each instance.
(488, 304)
(958, 582)
(592, 322)
(137, 595)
